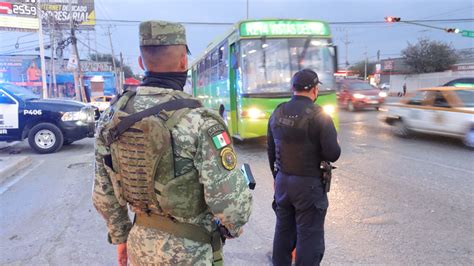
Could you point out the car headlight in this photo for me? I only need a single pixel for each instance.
(329, 109)
(85, 115)
(74, 116)
(382, 94)
(358, 96)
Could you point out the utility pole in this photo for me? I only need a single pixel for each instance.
(117, 84)
(41, 44)
(365, 67)
(80, 94)
(59, 53)
(95, 42)
(347, 42)
(53, 47)
(52, 75)
(50, 84)
(89, 44)
(122, 75)
(247, 9)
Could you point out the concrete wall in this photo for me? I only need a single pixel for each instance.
(424, 80)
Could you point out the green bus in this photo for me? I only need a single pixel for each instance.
(247, 73)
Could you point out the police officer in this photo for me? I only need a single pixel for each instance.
(171, 161)
(300, 136)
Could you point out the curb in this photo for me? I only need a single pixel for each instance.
(6, 145)
(12, 166)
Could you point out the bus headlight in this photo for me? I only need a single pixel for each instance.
(253, 113)
(329, 109)
(382, 94)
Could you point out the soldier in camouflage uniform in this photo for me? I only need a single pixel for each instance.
(205, 186)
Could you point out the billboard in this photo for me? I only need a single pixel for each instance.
(22, 15)
(21, 70)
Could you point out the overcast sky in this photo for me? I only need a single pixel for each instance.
(390, 39)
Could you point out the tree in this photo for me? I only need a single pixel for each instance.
(359, 68)
(429, 56)
(127, 70)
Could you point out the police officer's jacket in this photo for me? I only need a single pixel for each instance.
(300, 136)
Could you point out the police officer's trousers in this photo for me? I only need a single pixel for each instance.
(301, 206)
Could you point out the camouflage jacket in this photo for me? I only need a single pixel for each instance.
(225, 191)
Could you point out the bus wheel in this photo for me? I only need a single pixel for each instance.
(45, 138)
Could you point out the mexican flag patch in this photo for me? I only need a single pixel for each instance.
(221, 140)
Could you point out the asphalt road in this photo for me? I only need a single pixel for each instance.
(393, 201)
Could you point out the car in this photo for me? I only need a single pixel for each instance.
(384, 87)
(48, 124)
(358, 94)
(461, 82)
(447, 111)
(101, 102)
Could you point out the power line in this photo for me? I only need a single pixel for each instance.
(466, 8)
(26, 49)
(87, 46)
(19, 43)
(332, 23)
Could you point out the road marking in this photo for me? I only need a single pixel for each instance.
(19, 177)
(438, 164)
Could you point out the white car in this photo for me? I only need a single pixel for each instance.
(384, 86)
(447, 111)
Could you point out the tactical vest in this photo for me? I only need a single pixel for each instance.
(296, 152)
(142, 156)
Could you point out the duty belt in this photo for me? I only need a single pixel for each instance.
(183, 230)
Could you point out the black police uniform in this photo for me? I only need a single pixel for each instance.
(300, 136)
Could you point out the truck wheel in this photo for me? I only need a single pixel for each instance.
(400, 129)
(468, 139)
(45, 138)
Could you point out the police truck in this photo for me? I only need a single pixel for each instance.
(48, 124)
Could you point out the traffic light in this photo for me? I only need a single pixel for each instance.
(392, 19)
(452, 30)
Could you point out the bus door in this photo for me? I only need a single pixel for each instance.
(235, 81)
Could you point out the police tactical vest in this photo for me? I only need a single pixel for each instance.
(142, 156)
(296, 152)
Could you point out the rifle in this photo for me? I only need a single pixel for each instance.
(248, 176)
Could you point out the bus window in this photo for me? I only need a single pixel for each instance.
(223, 62)
(268, 65)
(207, 71)
(214, 66)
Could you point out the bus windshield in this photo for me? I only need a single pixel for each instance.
(269, 64)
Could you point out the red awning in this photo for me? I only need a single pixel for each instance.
(131, 81)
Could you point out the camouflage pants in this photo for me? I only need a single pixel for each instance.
(149, 246)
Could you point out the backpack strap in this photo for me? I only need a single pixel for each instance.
(120, 101)
(128, 121)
